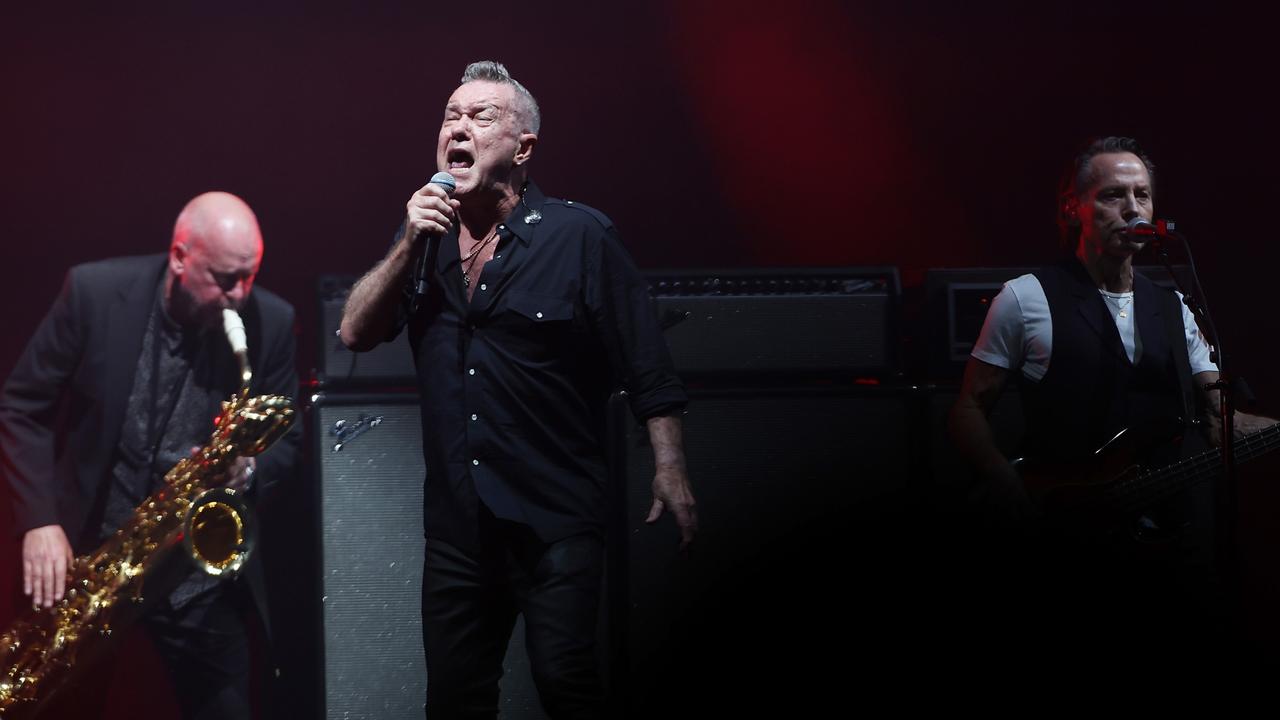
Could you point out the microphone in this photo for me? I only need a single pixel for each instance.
(446, 181)
(1138, 227)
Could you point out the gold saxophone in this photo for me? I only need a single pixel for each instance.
(47, 646)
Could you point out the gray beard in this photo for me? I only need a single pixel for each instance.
(183, 310)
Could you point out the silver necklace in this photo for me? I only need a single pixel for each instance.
(1118, 306)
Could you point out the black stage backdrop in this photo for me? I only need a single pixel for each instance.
(915, 133)
(817, 133)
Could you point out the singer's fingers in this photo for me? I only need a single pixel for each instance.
(434, 215)
(431, 207)
(430, 202)
(431, 222)
(432, 189)
(655, 511)
(687, 521)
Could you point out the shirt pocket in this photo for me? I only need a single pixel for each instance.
(538, 328)
(541, 309)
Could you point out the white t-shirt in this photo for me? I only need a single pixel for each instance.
(1018, 332)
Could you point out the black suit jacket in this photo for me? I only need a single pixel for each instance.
(62, 408)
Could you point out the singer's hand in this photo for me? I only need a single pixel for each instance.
(671, 492)
(429, 212)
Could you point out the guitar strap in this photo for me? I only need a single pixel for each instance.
(1176, 334)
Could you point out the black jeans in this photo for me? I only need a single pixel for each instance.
(469, 606)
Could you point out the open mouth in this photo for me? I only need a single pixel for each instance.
(459, 159)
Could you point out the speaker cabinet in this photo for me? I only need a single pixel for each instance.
(368, 458)
(806, 499)
(800, 494)
(822, 321)
(389, 365)
(839, 322)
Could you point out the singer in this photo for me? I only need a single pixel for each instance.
(1097, 349)
(533, 315)
(133, 358)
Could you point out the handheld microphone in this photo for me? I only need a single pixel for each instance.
(1145, 228)
(446, 181)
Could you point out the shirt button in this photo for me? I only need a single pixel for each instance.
(472, 371)
(473, 416)
(483, 286)
(497, 257)
(568, 202)
(538, 315)
(475, 462)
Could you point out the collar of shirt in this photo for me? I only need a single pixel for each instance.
(520, 224)
(527, 214)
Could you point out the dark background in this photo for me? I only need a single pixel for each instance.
(813, 133)
(810, 133)
(714, 135)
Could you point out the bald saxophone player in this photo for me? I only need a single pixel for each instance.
(120, 381)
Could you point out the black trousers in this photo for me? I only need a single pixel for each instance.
(205, 647)
(469, 607)
(205, 644)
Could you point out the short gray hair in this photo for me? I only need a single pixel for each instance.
(496, 72)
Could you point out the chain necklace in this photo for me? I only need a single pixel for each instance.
(1117, 304)
(469, 260)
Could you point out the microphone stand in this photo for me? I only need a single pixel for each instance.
(1225, 491)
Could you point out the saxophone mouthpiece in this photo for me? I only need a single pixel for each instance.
(233, 326)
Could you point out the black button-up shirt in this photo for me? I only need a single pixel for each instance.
(515, 383)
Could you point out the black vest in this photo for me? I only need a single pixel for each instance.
(1092, 390)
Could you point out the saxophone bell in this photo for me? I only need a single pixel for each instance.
(219, 532)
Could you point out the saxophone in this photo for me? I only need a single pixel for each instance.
(210, 526)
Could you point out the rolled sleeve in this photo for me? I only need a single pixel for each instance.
(626, 321)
